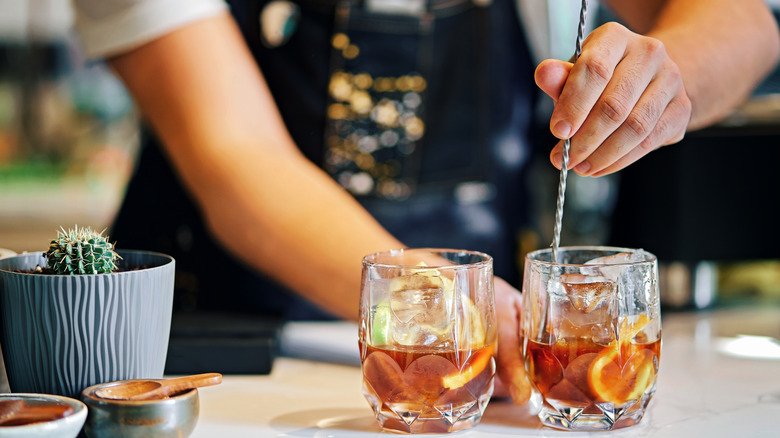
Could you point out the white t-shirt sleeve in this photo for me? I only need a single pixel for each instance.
(110, 27)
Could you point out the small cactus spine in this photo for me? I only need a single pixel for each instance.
(81, 251)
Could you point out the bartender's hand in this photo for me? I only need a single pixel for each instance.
(512, 379)
(623, 98)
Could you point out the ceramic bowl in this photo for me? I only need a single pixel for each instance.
(175, 416)
(65, 427)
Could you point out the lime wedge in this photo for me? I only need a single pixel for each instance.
(380, 327)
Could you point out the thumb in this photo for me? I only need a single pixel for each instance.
(550, 75)
(509, 358)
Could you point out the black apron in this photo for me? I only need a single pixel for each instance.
(423, 114)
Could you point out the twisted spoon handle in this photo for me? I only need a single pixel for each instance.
(566, 146)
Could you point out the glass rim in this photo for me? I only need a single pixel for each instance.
(533, 255)
(370, 259)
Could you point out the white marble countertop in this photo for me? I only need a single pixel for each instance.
(719, 377)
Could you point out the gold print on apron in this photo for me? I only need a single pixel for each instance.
(376, 92)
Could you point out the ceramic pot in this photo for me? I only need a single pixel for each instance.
(63, 333)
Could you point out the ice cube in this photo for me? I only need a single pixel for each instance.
(619, 258)
(547, 325)
(590, 303)
(607, 264)
(602, 332)
(586, 293)
(421, 304)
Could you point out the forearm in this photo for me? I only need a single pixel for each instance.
(723, 48)
(286, 218)
(264, 201)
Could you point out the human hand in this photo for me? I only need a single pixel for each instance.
(623, 98)
(512, 379)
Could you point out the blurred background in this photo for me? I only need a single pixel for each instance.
(68, 131)
(706, 207)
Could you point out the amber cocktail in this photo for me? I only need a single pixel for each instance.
(592, 332)
(427, 338)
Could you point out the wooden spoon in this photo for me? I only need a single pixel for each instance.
(157, 389)
(18, 412)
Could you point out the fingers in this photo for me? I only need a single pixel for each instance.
(617, 111)
(602, 51)
(509, 358)
(667, 131)
(632, 141)
(623, 98)
(550, 76)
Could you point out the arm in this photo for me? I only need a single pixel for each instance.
(629, 94)
(261, 198)
(722, 48)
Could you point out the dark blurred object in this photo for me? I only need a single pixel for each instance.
(710, 197)
(223, 343)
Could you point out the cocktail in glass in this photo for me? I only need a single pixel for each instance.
(427, 338)
(592, 335)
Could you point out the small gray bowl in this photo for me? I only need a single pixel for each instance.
(175, 416)
(68, 426)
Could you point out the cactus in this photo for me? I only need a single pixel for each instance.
(81, 251)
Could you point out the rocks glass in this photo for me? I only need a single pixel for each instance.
(592, 335)
(427, 338)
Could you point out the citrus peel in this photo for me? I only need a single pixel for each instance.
(627, 331)
(457, 380)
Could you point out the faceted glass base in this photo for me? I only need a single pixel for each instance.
(392, 423)
(599, 416)
(443, 417)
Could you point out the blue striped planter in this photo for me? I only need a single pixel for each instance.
(61, 333)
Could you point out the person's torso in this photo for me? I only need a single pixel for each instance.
(424, 116)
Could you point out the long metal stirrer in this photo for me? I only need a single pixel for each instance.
(562, 183)
(566, 145)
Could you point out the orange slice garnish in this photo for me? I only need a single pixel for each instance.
(610, 383)
(457, 380)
